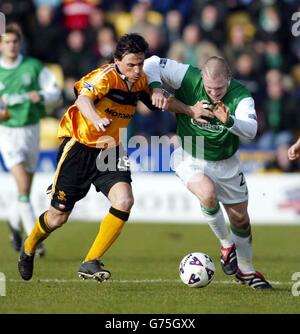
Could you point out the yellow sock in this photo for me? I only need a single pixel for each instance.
(110, 229)
(40, 232)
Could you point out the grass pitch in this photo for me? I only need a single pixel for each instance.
(144, 264)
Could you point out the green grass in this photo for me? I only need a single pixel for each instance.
(146, 252)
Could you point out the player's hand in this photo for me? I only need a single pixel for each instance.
(34, 96)
(221, 112)
(201, 111)
(101, 123)
(158, 99)
(294, 152)
(4, 114)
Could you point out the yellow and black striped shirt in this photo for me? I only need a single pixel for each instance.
(112, 98)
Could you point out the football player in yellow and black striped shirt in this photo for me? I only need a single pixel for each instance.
(106, 101)
(91, 152)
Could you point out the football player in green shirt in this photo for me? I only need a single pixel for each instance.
(208, 160)
(25, 86)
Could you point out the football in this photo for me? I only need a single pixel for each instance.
(196, 270)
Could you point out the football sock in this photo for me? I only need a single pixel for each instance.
(39, 233)
(243, 243)
(215, 219)
(14, 217)
(26, 213)
(110, 229)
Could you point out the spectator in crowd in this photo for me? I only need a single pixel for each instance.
(272, 56)
(238, 44)
(74, 58)
(211, 24)
(143, 18)
(17, 11)
(280, 119)
(192, 49)
(269, 23)
(247, 75)
(97, 20)
(172, 27)
(106, 41)
(156, 41)
(76, 13)
(46, 35)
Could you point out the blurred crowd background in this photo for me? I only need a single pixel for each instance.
(75, 36)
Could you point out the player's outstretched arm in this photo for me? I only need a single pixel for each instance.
(198, 111)
(87, 108)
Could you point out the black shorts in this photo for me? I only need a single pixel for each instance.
(79, 166)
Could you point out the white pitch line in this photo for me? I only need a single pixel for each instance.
(58, 280)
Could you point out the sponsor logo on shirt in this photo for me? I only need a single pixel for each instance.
(62, 196)
(88, 86)
(163, 62)
(118, 114)
(208, 126)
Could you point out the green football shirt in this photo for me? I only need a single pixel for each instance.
(15, 83)
(187, 84)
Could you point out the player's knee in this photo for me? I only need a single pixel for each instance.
(209, 200)
(124, 203)
(241, 222)
(57, 219)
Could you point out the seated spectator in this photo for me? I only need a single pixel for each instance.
(192, 49)
(172, 26)
(247, 75)
(269, 23)
(48, 47)
(156, 41)
(143, 18)
(280, 119)
(74, 59)
(105, 43)
(272, 56)
(97, 20)
(210, 23)
(76, 13)
(237, 44)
